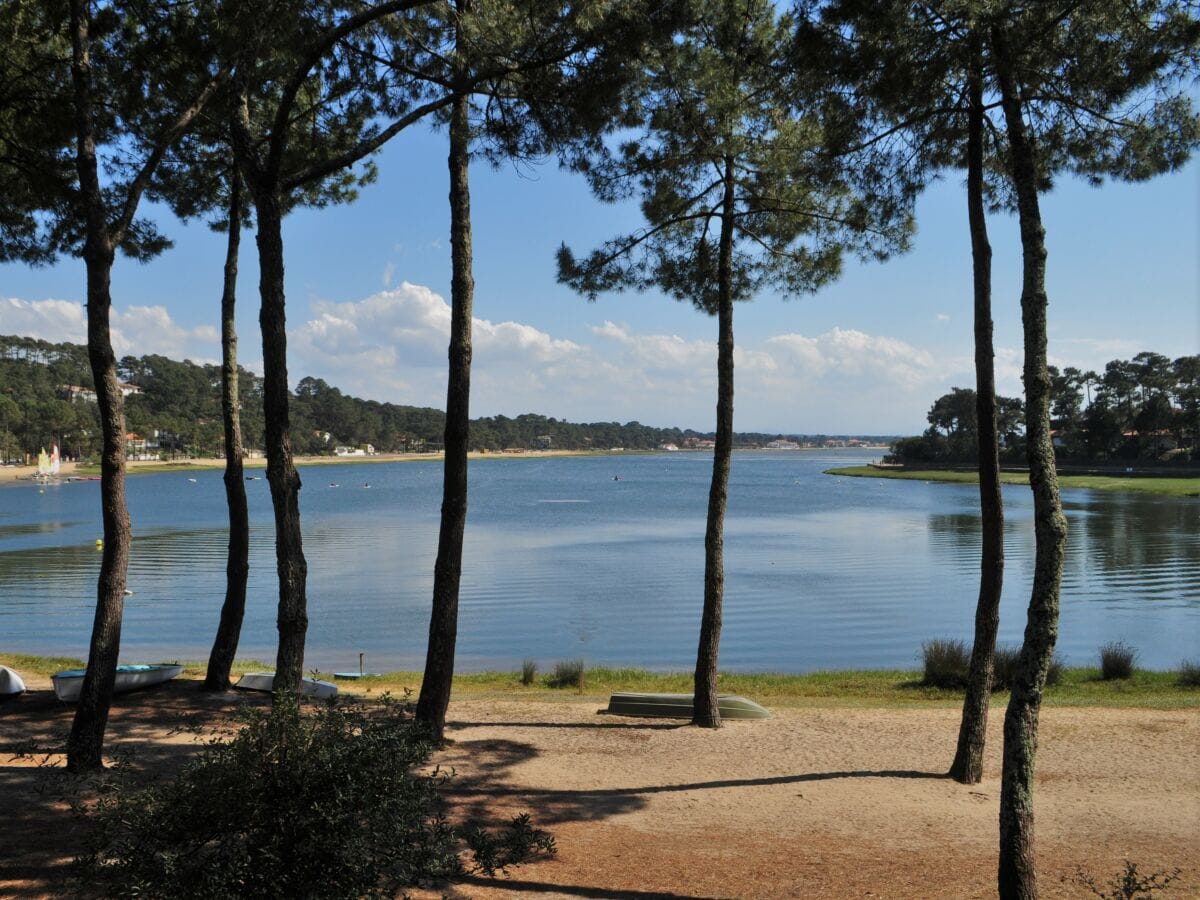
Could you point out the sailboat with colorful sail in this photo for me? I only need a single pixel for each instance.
(48, 465)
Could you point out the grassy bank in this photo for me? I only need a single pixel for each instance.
(1170, 487)
(881, 688)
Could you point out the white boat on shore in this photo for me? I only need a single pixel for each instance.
(11, 684)
(265, 681)
(69, 683)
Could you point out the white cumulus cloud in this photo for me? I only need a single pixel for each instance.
(136, 330)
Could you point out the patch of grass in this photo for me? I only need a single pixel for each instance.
(1169, 487)
(846, 688)
(569, 673)
(1116, 661)
(1189, 674)
(28, 664)
(946, 663)
(528, 672)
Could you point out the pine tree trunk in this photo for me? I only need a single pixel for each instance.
(443, 622)
(292, 618)
(704, 702)
(972, 734)
(1017, 876)
(85, 744)
(237, 565)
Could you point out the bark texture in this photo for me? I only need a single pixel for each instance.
(967, 766)
(237, 565)
(292, 619)
(443, 622)
(85, 743)
(1017, 875)
(704, 703)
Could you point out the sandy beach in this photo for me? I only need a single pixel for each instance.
(24, 474)
(815, 802)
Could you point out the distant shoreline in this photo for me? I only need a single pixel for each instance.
(10, 475)
(24, 474)
(1145, 484)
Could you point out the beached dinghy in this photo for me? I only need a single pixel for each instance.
(679, 706)
(265, 681)
(69, 683)
(10, 683)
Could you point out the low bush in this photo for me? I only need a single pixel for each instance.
(528, 672)
(1006, 665)
(1189, 674)
(1129, 883)
(1116, 660)
(946, 663)
(296, 804)
(568, 673)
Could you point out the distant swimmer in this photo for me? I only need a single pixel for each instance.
(616, 478)
(366, 484)
(333, 484)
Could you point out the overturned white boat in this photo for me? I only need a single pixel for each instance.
(69, 683)
(309, 687)
(11, 683)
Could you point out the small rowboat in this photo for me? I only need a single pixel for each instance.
(69, 683)
(679, 706)
(10, 683)
(265, 681)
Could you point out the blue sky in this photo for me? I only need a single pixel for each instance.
(368, 286)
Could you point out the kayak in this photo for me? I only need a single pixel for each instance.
(265, 681)
(679, 706)
(69, 683)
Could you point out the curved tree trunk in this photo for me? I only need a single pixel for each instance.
(1017, 877)
(237, 566)
(85, 744)
(704, 701)
(443, 622)
(972, 734)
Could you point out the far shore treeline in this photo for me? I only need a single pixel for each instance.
(1146, 409)
(45, 399)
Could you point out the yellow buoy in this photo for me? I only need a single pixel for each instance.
(99, 542)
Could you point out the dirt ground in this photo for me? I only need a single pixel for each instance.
(811, 803)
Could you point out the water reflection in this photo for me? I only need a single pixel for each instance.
(820, 571)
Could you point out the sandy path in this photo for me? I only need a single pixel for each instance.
(822, 803)
(812, 803)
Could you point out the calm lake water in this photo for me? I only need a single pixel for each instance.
(563, 561)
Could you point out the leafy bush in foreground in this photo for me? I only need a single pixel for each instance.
(297, 804)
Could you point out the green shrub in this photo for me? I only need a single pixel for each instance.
(946, 663)
(296, 804)
(568, 673)
(528, 672)
(1189, 674)
(1006, 665)
(1116, 660)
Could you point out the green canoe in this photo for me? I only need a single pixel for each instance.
(679, 706)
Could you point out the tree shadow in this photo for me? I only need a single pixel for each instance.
(574, 890)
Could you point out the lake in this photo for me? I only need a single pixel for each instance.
(602, 558)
